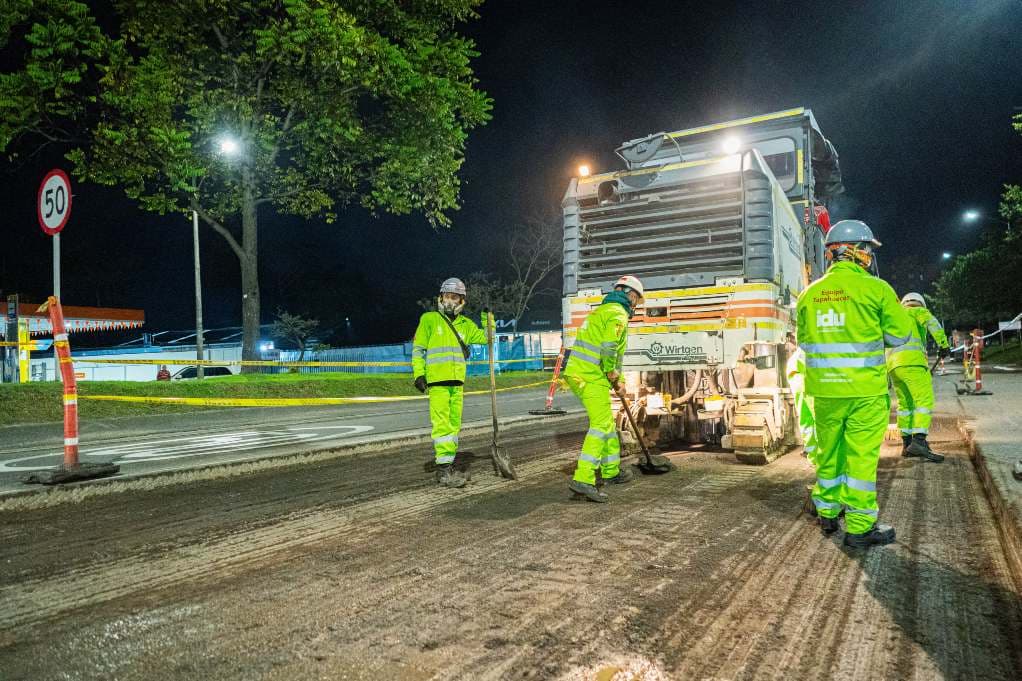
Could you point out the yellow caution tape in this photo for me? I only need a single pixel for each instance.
(268, 363)
(8, 344)
(279, 401)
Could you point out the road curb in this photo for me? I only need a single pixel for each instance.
(1008, 518)
(369, 445)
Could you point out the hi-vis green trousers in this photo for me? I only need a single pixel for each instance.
(849, 433)
(445, 403)
(601, 449)
(913, 386)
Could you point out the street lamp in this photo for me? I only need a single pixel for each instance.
(945, 255)
(974, 215)
(228, 147)
(584, 171)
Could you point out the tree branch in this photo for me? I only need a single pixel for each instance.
(220, 229)
(220, 37)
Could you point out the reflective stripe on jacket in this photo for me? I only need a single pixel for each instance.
(845, 320)
(913, 353)
(600, 344)
(436, 353)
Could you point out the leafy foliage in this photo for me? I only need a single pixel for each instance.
(294, 328)
(364, 102)
(984, 285)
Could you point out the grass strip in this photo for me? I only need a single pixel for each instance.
(41, 402)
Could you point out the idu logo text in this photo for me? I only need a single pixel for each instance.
(830, 319)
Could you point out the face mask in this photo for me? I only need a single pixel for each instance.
(449, 307)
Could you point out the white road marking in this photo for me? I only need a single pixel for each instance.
(177, 448)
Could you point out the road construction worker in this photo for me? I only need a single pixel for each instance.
(913, 384)
(845, 320)
(439, 355)
(593, 367)
(796, 370)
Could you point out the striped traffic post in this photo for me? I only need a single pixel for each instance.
(71, 468)
(62, 350)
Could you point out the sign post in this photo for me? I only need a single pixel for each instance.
(53, 208)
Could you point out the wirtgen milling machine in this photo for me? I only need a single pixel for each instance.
(722, 225)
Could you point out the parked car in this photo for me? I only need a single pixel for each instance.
(207, 372)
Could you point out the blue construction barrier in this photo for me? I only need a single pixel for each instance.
(507, 347)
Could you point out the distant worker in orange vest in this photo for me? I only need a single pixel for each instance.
(163, 374)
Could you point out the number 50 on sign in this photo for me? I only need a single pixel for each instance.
(54, 205)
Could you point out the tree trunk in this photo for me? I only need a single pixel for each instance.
(249, 273)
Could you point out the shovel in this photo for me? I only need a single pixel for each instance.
(649, 465)
(501, 460)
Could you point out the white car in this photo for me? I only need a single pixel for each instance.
(207, 372)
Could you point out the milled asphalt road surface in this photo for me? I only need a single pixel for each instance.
(174, 442)
(358, 567)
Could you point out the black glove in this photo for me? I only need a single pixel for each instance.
(420, 384)
(943, 352)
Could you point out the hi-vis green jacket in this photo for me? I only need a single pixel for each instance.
(600, 344)
(435, 350)
(913, 353)
(845, 320)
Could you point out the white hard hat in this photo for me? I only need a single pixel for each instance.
(851, 231)
(632, 283)
(913, 298)
(453, 285)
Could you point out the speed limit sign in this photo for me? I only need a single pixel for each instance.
(54, 205)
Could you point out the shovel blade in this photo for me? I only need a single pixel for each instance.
(655, 465)
(502, 465)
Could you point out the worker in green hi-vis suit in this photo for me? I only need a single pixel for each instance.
(913, 384)
(439, 356)
(594, 366)
(845, 321)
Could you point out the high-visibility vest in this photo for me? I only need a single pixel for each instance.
(845, 321)
(913, 353)
(600, 344)
(436, 353)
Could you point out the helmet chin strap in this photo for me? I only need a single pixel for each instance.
(852, 253)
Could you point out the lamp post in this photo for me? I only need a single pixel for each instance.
(199, 349)
(228, 147)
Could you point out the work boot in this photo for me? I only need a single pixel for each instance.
(623, 476)
(590, 492)
(906, 440)
(919, 447)
(828, 525)
(1017, 470)
(448, 476)
(878, 535)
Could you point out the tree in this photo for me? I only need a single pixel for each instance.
(485, 292)
(984, 286)
(534, 252)
(533, 249)
(294, 328)
(327, 104)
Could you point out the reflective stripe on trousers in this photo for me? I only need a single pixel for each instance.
(913, 386)
(601, 448)
(445, 405)
(849, 432)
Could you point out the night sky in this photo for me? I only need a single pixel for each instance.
(917, 97)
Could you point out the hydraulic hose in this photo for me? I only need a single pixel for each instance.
(690, 392)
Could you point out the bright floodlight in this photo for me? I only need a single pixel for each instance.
(970, 215)
(946, 255)
(228, 146)
(731, 145)
(583, 170)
